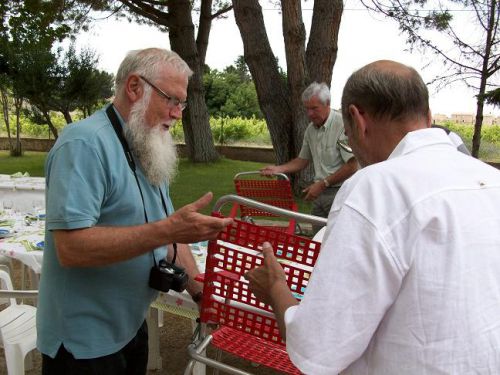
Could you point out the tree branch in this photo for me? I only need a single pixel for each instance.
(148, 11)
(222, 11)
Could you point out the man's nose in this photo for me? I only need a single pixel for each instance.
(176, 112)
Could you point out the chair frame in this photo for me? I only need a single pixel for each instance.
(273, 190)
(227, 300)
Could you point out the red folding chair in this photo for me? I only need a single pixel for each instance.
(246, 327)
(275, 191)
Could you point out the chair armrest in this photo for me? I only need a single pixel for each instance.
(18, 293)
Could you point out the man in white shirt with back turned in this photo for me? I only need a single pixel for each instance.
(408, 278)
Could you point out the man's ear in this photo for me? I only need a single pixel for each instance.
(359, 121)
(133, 88)
(429, 118)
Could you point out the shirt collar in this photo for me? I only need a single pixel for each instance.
(421, 138)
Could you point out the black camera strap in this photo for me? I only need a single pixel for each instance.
(115, 122)
(113, 118)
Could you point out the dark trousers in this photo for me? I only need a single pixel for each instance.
(130, 360)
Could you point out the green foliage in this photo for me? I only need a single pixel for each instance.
(35, 70)
(31, 128)
(231, 93)
(493, 97)
(490, 139)
(233, 130)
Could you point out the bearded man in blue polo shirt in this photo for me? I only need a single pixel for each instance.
(110, 219)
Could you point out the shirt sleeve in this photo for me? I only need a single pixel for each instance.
(305, 151)
(77, 186)
(354, 282)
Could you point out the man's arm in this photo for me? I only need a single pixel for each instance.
(340, 175)
(100, 246)
(268, 283)
(343, 173)
(292, 166)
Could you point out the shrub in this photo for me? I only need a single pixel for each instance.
(230, 130)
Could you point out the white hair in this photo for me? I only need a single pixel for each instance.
(148, 62)
(319, 90)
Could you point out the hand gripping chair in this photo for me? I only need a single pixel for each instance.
(275, 191)
(246, 327)
(17, 326)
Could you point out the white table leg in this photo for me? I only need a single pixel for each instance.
(154, 357)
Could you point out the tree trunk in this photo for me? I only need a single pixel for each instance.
(48, 120)
(198, 135)
(5, 111)
(67, 116)
(322, 47)
(294, 35)
(485, 74)
(17, 150)
(272, 93)
(205, 25)
(282, 105)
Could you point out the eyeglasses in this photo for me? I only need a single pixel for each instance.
(172, 101)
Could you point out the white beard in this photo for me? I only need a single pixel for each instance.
(152, 146)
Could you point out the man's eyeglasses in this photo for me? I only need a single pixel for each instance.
(172, 101)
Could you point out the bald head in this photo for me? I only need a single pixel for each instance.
(388, 91)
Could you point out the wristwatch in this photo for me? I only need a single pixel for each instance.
(327, 184)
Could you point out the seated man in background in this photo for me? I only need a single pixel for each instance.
(408, 278)
(109, 220)
(333, 164)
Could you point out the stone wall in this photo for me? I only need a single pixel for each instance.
(29, 144)
(256, 154)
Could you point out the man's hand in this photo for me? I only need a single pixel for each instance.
(314, 190)
(267, 279)
(187, 225)
(270, 170)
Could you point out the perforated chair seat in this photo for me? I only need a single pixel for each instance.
(254, 349)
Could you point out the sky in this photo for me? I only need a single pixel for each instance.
(363, 37)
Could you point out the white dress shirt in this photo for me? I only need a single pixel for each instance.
(408, 278)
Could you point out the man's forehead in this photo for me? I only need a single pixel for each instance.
(313, 102)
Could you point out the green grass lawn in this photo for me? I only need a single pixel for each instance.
(192, 181)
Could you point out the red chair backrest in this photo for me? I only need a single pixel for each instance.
(237, 250)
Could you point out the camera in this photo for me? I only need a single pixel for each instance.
(166, 276)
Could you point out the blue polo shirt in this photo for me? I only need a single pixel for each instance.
(94, 311)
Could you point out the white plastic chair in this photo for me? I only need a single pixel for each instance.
(17, 326)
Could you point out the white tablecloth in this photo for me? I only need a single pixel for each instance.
(25, 240)
(22, 191)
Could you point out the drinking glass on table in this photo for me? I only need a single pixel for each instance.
(38, 208)
(8, 206)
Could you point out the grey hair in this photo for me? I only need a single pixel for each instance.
(320, 90)
(148, 62)
(394, 91)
